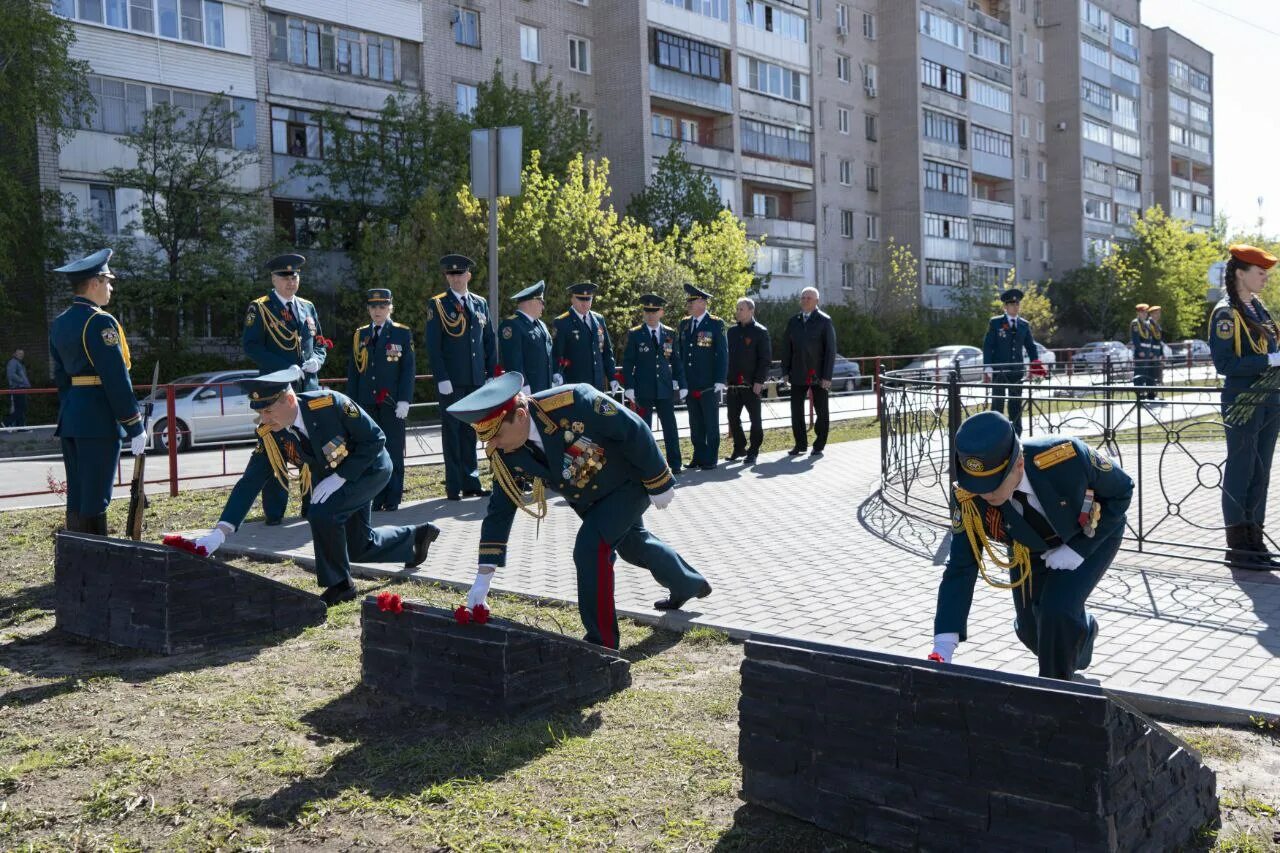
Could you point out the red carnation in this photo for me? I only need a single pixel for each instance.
(462, 615)
(323, 341)
(644, 413)
(936, 658)
(182, 543)
(480, 614)
(382, 394)
(564, 362)
(696, 394)
(740, 379)
(389, 602)
(617, 375)
(498, 370)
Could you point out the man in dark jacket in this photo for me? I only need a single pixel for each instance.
(749, 356)
(808, 360)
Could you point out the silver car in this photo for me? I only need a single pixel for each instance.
(1096, 353)
(208, 408)
(938, 362)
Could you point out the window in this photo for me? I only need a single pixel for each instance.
(1127, 180)
(1128, 70)
(873, 178)
(842, 120)
(990, 95)
(664, 126)
(945, 30)
(1040, 91)
(869, 26)
(1091, 51)
(762, 16)
(1096, 170)
(1039, 131)
(873, 226)
(192, 20)
(214, 30)
(1024, 126)
(937, 76)
(102, 208)
(944, 128)
(1095, 93)
(764, 205)
(992, 232)
(464, 98)
(1098, 209)
(199, 21)
(988, 47)
(1199, 142)
(946, 227)
(870, 78)
(1092, 14)
(842, 18)
(529, 44)
(168, 13)
(775, 142)
(1124, 112)
(1199, 81)
(1026, 165)
(1044, 251)
(583, 115)
(1179, 103)
(382, 58)
(1181, 199)
(1126, 144)
(1097, 247)
(691, 57)
(119, 105)
(1178, 134)
(1124, 32)
(1125, 214)
(872, 127)
(350, 53)
(324, 47)
(1179, 72)
(1095, 132)
(1026, 207)
(141, 16)
(990, 141)
(1199, 111)
(1201, 204)
(846, 224)
(770, 79)
(580, 55)
(846, 172)
(945, 273)
(718, 9)
(843, 64)
(689, 131)
(1040, 51)
(296, 133)
(946, 178)
(466, 27)
(1044, 210)
(780, 261)
(848, 275)
(1042, 171)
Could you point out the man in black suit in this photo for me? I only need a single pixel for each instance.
(808, 360)
(749, 356)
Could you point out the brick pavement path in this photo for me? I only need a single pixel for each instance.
(806, 548)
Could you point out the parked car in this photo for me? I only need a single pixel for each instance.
(846, 375)
(213, 407)
(1096, 353)
(937, 362)
(1194, 349)
(1046, 356)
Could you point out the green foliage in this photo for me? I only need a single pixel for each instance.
(1037, 307)
(678, 196)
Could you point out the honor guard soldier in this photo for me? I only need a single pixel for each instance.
(604, 461)
(464, 353)
(380, 380)
(96, 403)
(1052, 512)
(1243, 343)
(524, 343)
(750, 354)
(581, 348)
(282, 330)
(1145, 350)
(1008, 336)
(1157, 349)
(340, 459)
(653, 374)
(704, 349)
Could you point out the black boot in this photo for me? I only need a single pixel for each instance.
(99, 525)
(73, 522)
(1239, 552)
(1258, 545)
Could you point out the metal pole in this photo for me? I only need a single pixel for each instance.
(493, 222)
(172, 418)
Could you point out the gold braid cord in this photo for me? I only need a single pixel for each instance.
(507, 482)
(359, 353)
(1021, 559)
(279, 467)
(284, 337)
(455, 327)
(1259, 346)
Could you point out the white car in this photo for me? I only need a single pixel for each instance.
(208, 407)
(1096, 353)
(1046, 356)
(1193, 349)
(936, 363)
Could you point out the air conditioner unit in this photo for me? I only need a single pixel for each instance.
(842, 29)
(1062, 125)
(1040, 21)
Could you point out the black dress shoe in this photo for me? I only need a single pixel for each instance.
(339, 593)
(274, 522)
(796, 451)
(673, 603)
(454, 496)
(475, 493)
(391, 508)
(423, 536)
(749, 459)
(733, 457)
(815, 454)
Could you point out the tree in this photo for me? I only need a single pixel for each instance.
(1037, 308)
(198, 223)
(1090, 298)
(677, 196)
(42, 92)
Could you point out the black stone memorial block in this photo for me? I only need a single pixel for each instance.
(159, 599)
(907, 755)
(422, 654)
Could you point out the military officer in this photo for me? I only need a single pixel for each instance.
(339, 454)
(1008, 335)
(750, 354)
(96, 404)
(1140, 341)
(1057, 509)
(463, 351)
(282, 329)
(524, 344)
(582, 349)
(1243, 343)
(380, 379)
(1156, 349)
(653, 374)
(704, 349)
(605, 462)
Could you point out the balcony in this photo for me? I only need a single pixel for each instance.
(983, 21)
(993, 254)
(710, 94)
(792, 230)
(991, 209)
(788, 175)
(712, 157)
(776, 110)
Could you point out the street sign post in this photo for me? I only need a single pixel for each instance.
(496, 162)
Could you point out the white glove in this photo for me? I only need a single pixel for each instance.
(480, 586)
(311, 365)
(615, 386)
(1062, 558)
(138, 444)
(525, 389)
(212, 540)
(445, 387)
(629, 394)
(402, 409)
(325, 488)
(684, 392)
(721, 387)
(675, 384)
(944, 645)
(986, 372)
(1273, 359)
(557, 379)
(661, 499)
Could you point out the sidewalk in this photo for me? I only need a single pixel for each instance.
(805, 548)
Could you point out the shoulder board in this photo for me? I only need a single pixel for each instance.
(562, 316)
(400, 326)
(440, 295)
(557, 401)
(1054, 455)
(262, 300)
(320, 402)
(636, 327)
(686, 317)
(714, 317)
(303, 301)
(665, 327)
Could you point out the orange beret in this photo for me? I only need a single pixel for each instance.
(1141, 306)
(1252, 255)
(1153, 309)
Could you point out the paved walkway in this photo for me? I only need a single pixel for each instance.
(805, 548)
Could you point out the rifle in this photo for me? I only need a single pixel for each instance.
(137, 493)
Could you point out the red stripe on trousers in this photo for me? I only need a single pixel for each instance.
(604, 594)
